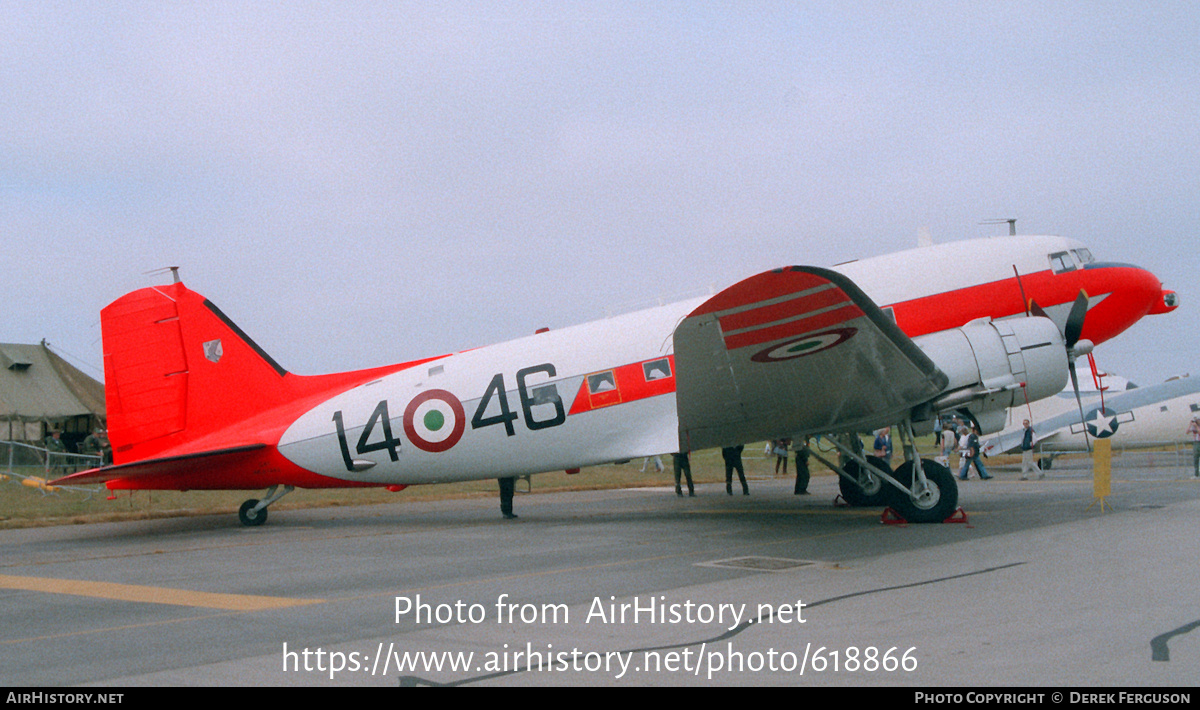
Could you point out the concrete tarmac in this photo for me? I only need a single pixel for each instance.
(621, 587)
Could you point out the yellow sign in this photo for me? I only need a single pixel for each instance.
(1101, 471)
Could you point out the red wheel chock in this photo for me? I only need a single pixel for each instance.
(840, 502)
(891, 517)
(958, 516)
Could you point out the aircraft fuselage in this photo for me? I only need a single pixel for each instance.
(577, 396)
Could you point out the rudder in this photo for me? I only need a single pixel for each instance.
(176, 370)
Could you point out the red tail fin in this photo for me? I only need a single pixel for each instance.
(176, 369)
(181, 378)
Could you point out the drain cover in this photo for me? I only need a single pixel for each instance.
(760, 564)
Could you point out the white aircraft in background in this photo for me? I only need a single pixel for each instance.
(1130, 416)
(193, 403)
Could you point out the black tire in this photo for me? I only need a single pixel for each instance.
(938, 504)
(1045, 463)
(874, 494)
(248, 518)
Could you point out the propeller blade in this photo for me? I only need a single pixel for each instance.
(1078, 401)
(1021, 286)
(1037, 310)
(1074, 324)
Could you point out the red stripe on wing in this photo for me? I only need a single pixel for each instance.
(763, 287)
(765, 315)
(794, 328)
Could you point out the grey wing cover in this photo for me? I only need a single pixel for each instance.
(800, 350)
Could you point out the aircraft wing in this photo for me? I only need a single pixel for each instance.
(1122, 403)
(793, 351)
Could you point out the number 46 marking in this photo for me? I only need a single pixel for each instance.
(538, 396)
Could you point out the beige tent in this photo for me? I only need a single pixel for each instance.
(40, 391)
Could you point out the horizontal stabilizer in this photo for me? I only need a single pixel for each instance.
(187, 464)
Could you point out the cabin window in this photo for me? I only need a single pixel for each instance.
(1061, 262)
(656, 369)
(602, 382)
(1195, 407)
(1083, 255)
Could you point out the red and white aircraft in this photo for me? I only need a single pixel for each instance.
(193, 403)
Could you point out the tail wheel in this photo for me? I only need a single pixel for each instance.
(935, 503)
(247, 515)
(869, 491)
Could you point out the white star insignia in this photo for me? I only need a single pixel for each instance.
(1102, 424)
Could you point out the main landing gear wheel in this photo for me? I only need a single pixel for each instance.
(247, 515)
(869, 492)
(932, 505)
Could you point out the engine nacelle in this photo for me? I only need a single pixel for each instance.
(994, 365)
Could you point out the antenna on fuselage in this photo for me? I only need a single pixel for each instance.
(1011, 222)
(173, 269)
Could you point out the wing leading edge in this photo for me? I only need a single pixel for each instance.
(790, 351)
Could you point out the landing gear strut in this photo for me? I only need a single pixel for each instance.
(866, 490)
(254, 512)
(929, 496)
(859, 476)
(924, 494)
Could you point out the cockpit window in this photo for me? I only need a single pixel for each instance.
(1083, 255)
(1061, 262)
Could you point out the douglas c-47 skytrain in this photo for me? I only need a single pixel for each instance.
(973, 327)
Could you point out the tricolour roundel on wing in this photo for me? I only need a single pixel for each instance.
(434, 420)
(806, 345)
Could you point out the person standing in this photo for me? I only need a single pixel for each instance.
(802, 469)
(1027, 466)
(683, 466)
(883, 445)
(970, 455)
(508, 486)
(949, 439)
(733, 462)
(658, 464)
(92, 445)
(55, 450)
(1194, 432)
(781, 454)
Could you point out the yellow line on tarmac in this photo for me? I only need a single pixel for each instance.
(151, 595)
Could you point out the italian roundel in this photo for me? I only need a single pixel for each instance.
(434, 420)
(806, 345)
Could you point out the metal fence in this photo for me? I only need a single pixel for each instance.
(22, 459)
(1165, 455)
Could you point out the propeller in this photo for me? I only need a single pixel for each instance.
(1071, 331)
(1076, 347)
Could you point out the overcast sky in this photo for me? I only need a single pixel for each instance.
(363, 183)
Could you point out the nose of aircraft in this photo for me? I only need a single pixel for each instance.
(1168, 303)
(1134, 293)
